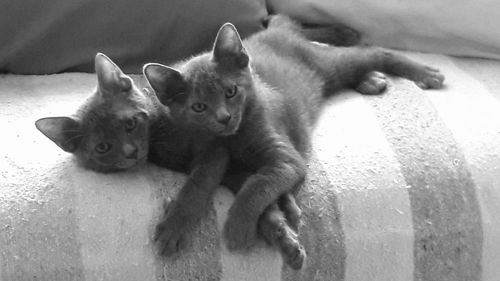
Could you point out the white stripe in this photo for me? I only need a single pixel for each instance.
(372, 195)
(115, 213)
(473, 116)
(260, 263)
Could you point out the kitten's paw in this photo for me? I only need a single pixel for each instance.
(169, 234)
(294, 219)
(170, 238)
(288, 243)
(374, 83)
(240, 231)
(431, 78)
(294, 256)
(292, 211)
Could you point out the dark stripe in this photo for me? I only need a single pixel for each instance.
(200, 260)
(446, 214)
(39, 228)
(321, 232)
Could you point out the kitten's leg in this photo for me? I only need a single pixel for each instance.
(347, 67)
(193, 201)
(292, 211)
(373, 83)
(234, 180)
(274, 229)
(278, 226)
(282, 170)
(425, 77)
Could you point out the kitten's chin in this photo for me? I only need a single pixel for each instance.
(129, 164)
(115, 167)
(228, 131)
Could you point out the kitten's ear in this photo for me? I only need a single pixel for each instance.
(110, 77)
(228, 48)
(166, 81)
(63, 131)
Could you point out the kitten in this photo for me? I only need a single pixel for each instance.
(263, 96)
(119, 124)
(107, 132)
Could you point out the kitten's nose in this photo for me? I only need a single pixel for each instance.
(223, 117)
(130, 151)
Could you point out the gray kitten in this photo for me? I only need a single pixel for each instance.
(263, 96)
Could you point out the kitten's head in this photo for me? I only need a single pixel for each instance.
(110, 130)
(208, 92)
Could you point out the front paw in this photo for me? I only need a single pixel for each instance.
(240, 230)
(170, 232)
(430, 78)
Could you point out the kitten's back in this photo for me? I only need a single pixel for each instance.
(277, 57)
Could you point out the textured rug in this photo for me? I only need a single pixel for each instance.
(403, 186)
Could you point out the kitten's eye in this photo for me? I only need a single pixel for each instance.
(232, 92)
(199, 107)
(130, 123)
(103, 147)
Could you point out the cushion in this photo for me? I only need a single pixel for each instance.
(49, 37)
(464, 28)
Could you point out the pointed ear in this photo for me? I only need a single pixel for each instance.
(166, 81)
(63, 131)
(228, 48)
(110, 77)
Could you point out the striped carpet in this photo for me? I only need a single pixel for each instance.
(404, 186)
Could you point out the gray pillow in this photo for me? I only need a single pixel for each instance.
(41, 37)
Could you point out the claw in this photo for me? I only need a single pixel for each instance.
(432, 79)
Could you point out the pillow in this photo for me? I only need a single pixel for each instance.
(40, 37)
(455, 27)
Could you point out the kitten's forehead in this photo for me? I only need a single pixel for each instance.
(198, 69)
(204, 77)
(201, 76)
(99, 119)
(102, 112)
(116, 101)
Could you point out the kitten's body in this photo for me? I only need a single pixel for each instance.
(175, 147)
(102, 119)
(264, 96)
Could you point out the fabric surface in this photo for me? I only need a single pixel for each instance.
(403, 186)
(465, 28)
(43, 37)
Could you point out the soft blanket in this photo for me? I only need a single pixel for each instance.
(403, 186)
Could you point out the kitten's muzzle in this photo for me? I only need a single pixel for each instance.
(224, 118)
(130, 151)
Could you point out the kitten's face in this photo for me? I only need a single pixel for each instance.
(212, 100)
(114, 135)
(209, 91)
(110, 131)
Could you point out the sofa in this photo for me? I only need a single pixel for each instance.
(401, 186)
